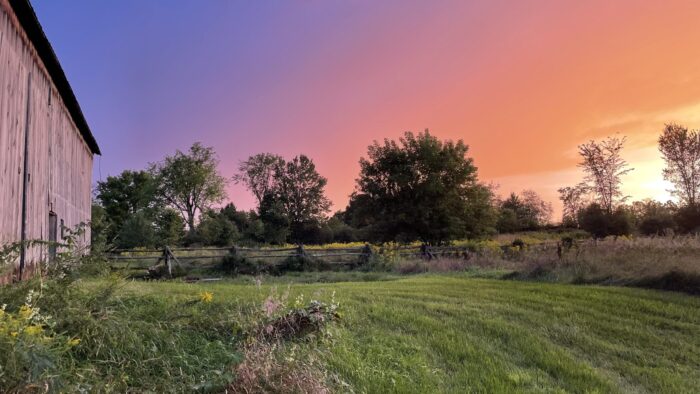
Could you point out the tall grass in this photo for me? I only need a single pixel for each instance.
(59, 333)
(655, 262)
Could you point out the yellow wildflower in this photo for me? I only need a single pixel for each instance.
(34, 330)
(25, 312)
(73, 342)
(13, 334)
(206, 296)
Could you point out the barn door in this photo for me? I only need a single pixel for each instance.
(53, 235)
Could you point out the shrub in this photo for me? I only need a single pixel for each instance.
(216, 229)
(601, 223)
(688, 219)
(263, 369)
(302, 263)
(59, 335)
(241, 266)
(137, 231)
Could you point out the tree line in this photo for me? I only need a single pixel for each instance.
(598, 205)
(417, 187)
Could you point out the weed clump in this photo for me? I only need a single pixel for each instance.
(300, 322)
(271, 358)
(302, 263)
(237, 265)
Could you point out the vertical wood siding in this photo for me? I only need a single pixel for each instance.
(59, 160)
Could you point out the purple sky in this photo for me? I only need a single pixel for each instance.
(521, 82)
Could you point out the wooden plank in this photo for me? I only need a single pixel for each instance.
(59, 161)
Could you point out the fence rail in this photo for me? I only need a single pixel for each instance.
(167, 259)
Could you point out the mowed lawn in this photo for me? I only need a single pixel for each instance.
(465, 334)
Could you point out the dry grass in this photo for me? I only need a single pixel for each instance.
(418, 266)
(266, 368)
(669, 263)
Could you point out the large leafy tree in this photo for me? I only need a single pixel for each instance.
(275, 222)
(259, 173)
(526, 211)
(291, 197)
(125, 195)
(190, 182)
(169, 227)
(681, 151)
(420, 187)
(300, 190)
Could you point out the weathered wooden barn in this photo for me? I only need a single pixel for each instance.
(46, 146)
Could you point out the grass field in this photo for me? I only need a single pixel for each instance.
(458, 333)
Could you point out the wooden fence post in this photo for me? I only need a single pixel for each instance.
(168, 264)
(169, 258)
(234, 259)
(426, 252)
(366, 254)
(301, 252)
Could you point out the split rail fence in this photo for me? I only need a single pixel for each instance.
(209, 257)
(171, 258)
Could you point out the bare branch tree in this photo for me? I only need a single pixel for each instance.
(604, 168)
(681, 151)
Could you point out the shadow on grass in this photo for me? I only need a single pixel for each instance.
(674, 280)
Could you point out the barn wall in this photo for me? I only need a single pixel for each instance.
(59, 160)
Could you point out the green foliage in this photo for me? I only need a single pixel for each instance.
(169, 227)
(241, 266)
(291, 198)
(99, 226)
(59, 333)
(654, 218)
(302, 264)
(688, 219)
(523, 213)
(600, 223)
(275, 222)
(260, 173)
(508, 221)
(311, 232)
(680, 149)
(215, 228)
(419, 188)
(604, 167)
(136, 231)
(340, 231)
(254, 231)
(124, 195)
(190, 182)
(300, 191)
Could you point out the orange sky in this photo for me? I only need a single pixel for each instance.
(521, 82)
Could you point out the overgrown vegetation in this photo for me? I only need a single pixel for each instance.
(63, 332)
(663, 263)
(59, 333)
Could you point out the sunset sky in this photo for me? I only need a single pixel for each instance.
(521, 82)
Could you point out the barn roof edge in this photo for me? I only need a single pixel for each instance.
(30, 23)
